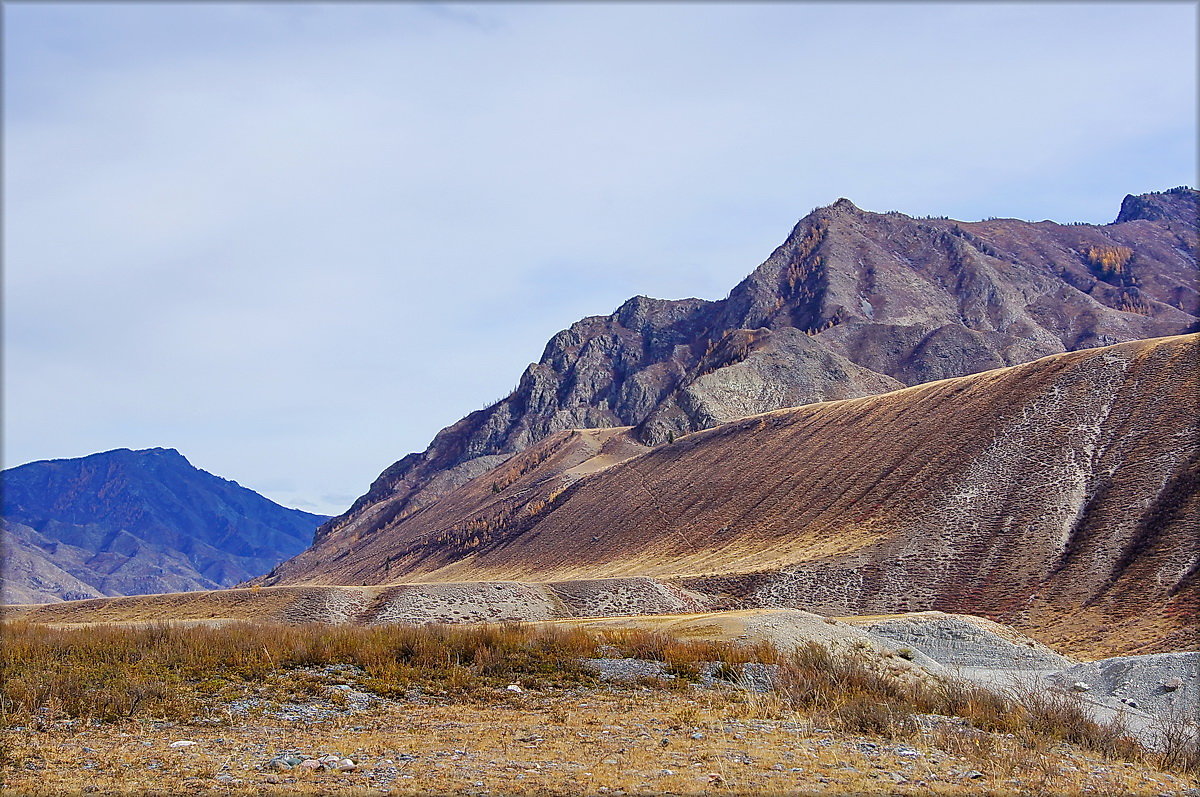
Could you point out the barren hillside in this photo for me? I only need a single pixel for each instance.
(1058, 496)
(853, 303)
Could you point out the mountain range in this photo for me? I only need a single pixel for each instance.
(889, 414)
(852, 304)
(1058, 496)
(133, 522)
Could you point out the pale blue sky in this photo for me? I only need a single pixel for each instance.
(295, 240)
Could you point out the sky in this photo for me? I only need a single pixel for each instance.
(295, 240)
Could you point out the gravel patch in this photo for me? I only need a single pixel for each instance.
(750, 676)
(627, 669)
(1158, 683)
(953, 641)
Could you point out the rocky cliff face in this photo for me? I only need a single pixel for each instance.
(135, 522)
(853, 303)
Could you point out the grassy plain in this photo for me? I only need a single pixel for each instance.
(433, 710)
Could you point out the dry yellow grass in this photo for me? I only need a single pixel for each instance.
(261, 604)
(566, 742)
(98, 707)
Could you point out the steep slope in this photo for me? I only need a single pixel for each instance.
(38, 570)
(133, 522)
(852, 304)
(517, 491)
(1059, 496)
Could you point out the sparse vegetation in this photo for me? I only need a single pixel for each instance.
(119, 675)
(733, 347)
(1177, 739)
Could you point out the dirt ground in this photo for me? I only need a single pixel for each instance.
(612, 740)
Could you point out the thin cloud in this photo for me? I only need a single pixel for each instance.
(294, 240)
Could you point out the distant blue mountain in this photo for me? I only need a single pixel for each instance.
(135, 522)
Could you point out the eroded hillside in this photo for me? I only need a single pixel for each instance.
(853, 303)
(1058, 495)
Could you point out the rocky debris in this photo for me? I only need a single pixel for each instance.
(749, 755)
(1147, 694)
(614, 597)
(339, 700)
(956, 641)
(182, 744)
(316, 711)
(756, 677)
(481, 601)
(751, 676)
(622, 669)
(1160, 684)
(323, 763)
(783, 628)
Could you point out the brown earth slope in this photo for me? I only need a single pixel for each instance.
(853, 303)
(1059, 496)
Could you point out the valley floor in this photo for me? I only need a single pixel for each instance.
(603, 708)
(606, 739)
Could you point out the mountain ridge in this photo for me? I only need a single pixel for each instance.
(130, 521)
(852, 303)
(1052, 495)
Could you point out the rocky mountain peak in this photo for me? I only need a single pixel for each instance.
(644, 313)
(843, 205)
(852, 303)
(1180, 204)
(160, 451)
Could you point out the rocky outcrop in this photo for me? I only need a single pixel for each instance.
(134, 522)
(1177, 206)
(753, 370)
(853, 303)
